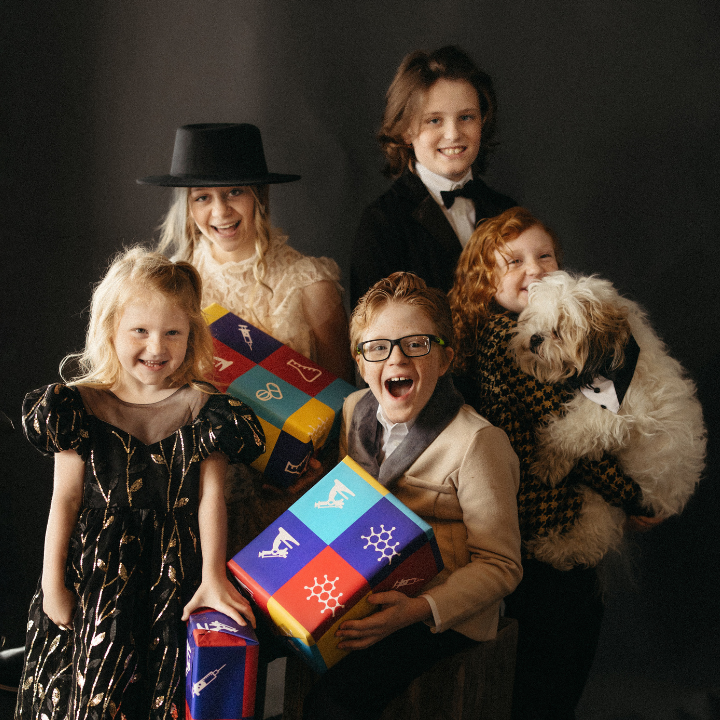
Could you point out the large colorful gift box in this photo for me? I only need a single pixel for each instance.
(297, 401)
(221, 669)
(313, 568)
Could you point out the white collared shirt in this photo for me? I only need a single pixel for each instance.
(462, 214)
(393, 434)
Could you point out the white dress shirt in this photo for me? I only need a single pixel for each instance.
(461, 215)
(393, 434)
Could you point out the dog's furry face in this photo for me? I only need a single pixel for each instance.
(571, 328)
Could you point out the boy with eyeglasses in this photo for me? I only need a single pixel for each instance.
(412, 431)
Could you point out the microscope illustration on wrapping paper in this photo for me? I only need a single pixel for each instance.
(333, 500)
(221, 364)
(283, 538)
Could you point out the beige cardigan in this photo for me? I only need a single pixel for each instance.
(464, 485)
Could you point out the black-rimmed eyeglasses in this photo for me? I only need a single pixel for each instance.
(411, 346)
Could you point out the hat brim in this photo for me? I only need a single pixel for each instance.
(188, 181)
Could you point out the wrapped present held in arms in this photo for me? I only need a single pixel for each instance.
(297, 402)
(314, 567)
(221, 669)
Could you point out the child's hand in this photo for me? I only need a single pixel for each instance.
(312, 474)
(59, 605)
(397, 611)
(221, 595)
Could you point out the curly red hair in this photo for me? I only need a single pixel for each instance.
(472, 294)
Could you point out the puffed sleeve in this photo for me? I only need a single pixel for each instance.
(54, 420)
(228, 425)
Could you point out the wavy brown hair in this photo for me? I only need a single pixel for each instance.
(417, 73)
(135, 273)
(473, 292)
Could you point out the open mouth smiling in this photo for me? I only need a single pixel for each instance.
(226, 229)
(399, 386)
(154, 364)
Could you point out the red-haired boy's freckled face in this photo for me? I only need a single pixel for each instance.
(446, 138)
(525, 260)
(403, 385)
(226, 217)
(150, 341)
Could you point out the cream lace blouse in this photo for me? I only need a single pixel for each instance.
(280, 312)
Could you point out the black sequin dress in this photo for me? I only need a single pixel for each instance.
(134, 559)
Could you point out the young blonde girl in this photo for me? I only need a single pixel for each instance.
(136, 532)
(437, 129)
(559, 609)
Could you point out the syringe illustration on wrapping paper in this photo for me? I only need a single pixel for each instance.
(247, 337)
(203, 682)
(216, 626)
(283, 538)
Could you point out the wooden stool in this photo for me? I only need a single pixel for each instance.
(476, 684)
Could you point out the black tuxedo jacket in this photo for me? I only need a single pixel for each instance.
(405, 229)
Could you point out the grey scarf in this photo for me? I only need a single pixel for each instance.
(365, 434)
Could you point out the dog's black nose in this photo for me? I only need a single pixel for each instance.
(535, 342)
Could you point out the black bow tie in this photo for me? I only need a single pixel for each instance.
(467, 190)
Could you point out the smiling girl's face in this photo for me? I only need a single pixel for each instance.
(525, 260)
(226, 217)
(150, 341)
(446, 138)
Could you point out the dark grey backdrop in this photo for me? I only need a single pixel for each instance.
(609, 128)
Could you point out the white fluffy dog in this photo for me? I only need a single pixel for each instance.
(580, 330)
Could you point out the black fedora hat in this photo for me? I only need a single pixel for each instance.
(218, 155)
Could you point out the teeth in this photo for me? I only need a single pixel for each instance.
(451, 151)
(398, 379)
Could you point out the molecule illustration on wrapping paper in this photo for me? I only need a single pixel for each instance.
(381, 542)
(324, 593)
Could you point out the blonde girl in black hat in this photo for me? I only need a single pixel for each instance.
(219, 220)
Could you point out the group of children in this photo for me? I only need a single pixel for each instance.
(136, 537)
